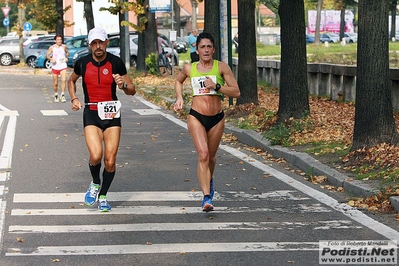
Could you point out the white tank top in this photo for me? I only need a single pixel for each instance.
(59, 57)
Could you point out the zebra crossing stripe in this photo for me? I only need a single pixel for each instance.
(53, 112)
(145, 227)
(159, 210)
(158, 196)
(179, 248)
(111, 196)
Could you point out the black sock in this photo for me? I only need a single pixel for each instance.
(107, 180)
(95, 173)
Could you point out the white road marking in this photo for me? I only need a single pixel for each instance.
(149, 104)
(157, 196)
(147, 111)
(4, 176)
(6, 157)
(166, 248)
(146, 227)
(9, 113)
(160, 210)
(53, 112)
(6, 152)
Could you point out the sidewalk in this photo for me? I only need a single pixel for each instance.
(249, 137)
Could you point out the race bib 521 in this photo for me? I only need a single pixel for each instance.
(109, 110)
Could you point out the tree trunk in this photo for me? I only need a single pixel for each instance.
(21, 21)
(374, 121)
(318, 21)
(88, 14)
(147, 39)
(177, 25)
(247, 79)
(60, 18)
(212, 23)
(342, 24)
(194, 5)
(393, 19)
(294, 99)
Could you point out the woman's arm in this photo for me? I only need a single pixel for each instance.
(230, 88)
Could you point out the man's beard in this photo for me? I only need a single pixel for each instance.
(99, 56)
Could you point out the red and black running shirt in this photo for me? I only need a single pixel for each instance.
(97, 81)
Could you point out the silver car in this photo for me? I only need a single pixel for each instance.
(34, 50)
(9, 50)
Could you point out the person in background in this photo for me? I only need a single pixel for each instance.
(161, 53)
(58, 56)
(210, 79)
(192, 41)
(235, 41)
(102, 73)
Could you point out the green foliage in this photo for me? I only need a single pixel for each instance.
(281, 133)
(152, 63)
(278, 134)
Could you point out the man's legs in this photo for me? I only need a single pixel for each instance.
(94, 137)
(55, 88)
(63, 85)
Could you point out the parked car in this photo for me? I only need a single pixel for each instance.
(350, 37)
(9, 50)
(34, 50)
(42, 61)
(309, 38)
(180, 45)
(74, 45)
(329, 37)
(114, 48)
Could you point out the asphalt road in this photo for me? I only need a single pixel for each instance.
(264, 214)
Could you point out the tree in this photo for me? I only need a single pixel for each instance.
(374, 121)
(88, 13)
(47, 14)
(318, 20)
(212, 22)
(21, 21)
(176, 17)
(247, 79)
(60, 17)
(194, 5)
(293, 101)
(147, 37)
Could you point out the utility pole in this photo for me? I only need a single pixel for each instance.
(172, 40)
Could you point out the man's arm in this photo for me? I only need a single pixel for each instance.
(76, 104)
(120, 81)
(66, 53)
(49, 51)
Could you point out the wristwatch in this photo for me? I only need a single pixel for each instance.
(217, 87)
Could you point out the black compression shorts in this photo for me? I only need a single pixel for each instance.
(90, 117)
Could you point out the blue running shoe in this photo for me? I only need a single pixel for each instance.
(91, 194)
(207, 204)
(103, 204)
(212, 190)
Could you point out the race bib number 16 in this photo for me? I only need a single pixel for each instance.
(109, 110)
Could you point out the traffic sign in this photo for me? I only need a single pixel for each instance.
(6, 22)
(6, 10)
(27, 26)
